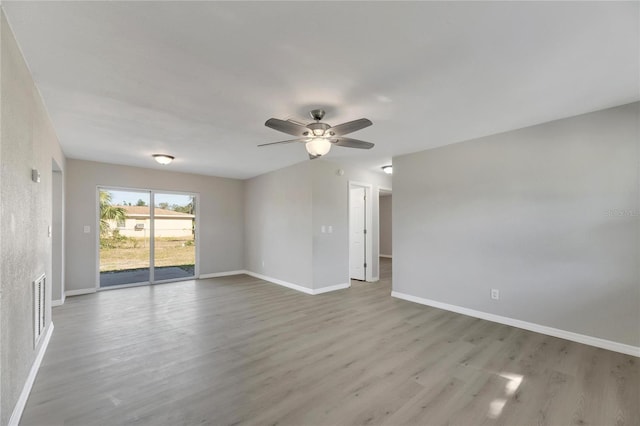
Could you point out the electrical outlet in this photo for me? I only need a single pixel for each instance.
(495, 294)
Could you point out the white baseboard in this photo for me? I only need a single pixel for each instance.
(222, 274)
(331, 288)
(31, 378)
(375, 279)
(281, 282)
(59, 302)
(388, 256)
(543, 329)
(79, 292)
(311, 291)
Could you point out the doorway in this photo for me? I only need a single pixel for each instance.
(360, 241)
(141, 245)
(56, 232)
(385, 233)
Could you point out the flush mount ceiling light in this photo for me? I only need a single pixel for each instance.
(163, 159)
(387, 169)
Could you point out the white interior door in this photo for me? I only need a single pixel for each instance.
(357, 233)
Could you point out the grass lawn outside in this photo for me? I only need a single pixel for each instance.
(176, 251)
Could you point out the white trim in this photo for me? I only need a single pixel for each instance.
(222, 274)
(331, 288)
(312, 291)
(543, 329)
(96, 237)
(152, 238)
(281, 282)
(375, 279)
(79, 292)
(368, 188)
(60, 301)
(386, 190)
(31, 378)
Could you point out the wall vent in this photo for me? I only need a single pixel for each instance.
(39, 308)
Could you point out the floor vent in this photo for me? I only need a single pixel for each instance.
(39, 308)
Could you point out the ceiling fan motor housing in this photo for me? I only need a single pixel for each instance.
(317, 129)
(317, 114)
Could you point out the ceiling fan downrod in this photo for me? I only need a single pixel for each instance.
(317, 114)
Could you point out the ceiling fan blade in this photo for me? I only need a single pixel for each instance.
(313, 157)
(352, 143)
(286, 127)
(289, 141)
(299, 123)
(349, 127)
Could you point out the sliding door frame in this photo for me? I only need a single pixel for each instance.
(196, 268)
(152, 192)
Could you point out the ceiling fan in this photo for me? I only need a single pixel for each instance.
(318, 137)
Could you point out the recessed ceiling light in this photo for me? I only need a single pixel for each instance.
(387, 169)
(163, 159)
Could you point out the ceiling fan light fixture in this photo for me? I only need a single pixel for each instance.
(318, 147)
(163, 159)
(388, 169)
(318, 136)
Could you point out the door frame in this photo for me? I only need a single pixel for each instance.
(56, 233)
(368, 241)
(196, 270)
(386, 191)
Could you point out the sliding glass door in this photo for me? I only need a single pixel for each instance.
(174, 236)
(141, 245)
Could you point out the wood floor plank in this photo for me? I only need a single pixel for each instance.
(240, 351)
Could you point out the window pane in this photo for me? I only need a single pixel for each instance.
(174, 236)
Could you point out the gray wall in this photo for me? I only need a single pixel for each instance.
(331, 207)
(278, 218)
(385, 226)
(285, 211)
(220, 221)
(549, 215)
(27, 140)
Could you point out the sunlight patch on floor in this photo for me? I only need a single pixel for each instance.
(513, 383)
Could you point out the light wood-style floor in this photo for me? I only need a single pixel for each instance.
(238, 350)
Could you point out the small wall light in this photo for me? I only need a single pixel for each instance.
(387, 169)
(35, 175)
(163, 159)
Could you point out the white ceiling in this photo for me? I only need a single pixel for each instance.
(124, 80)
